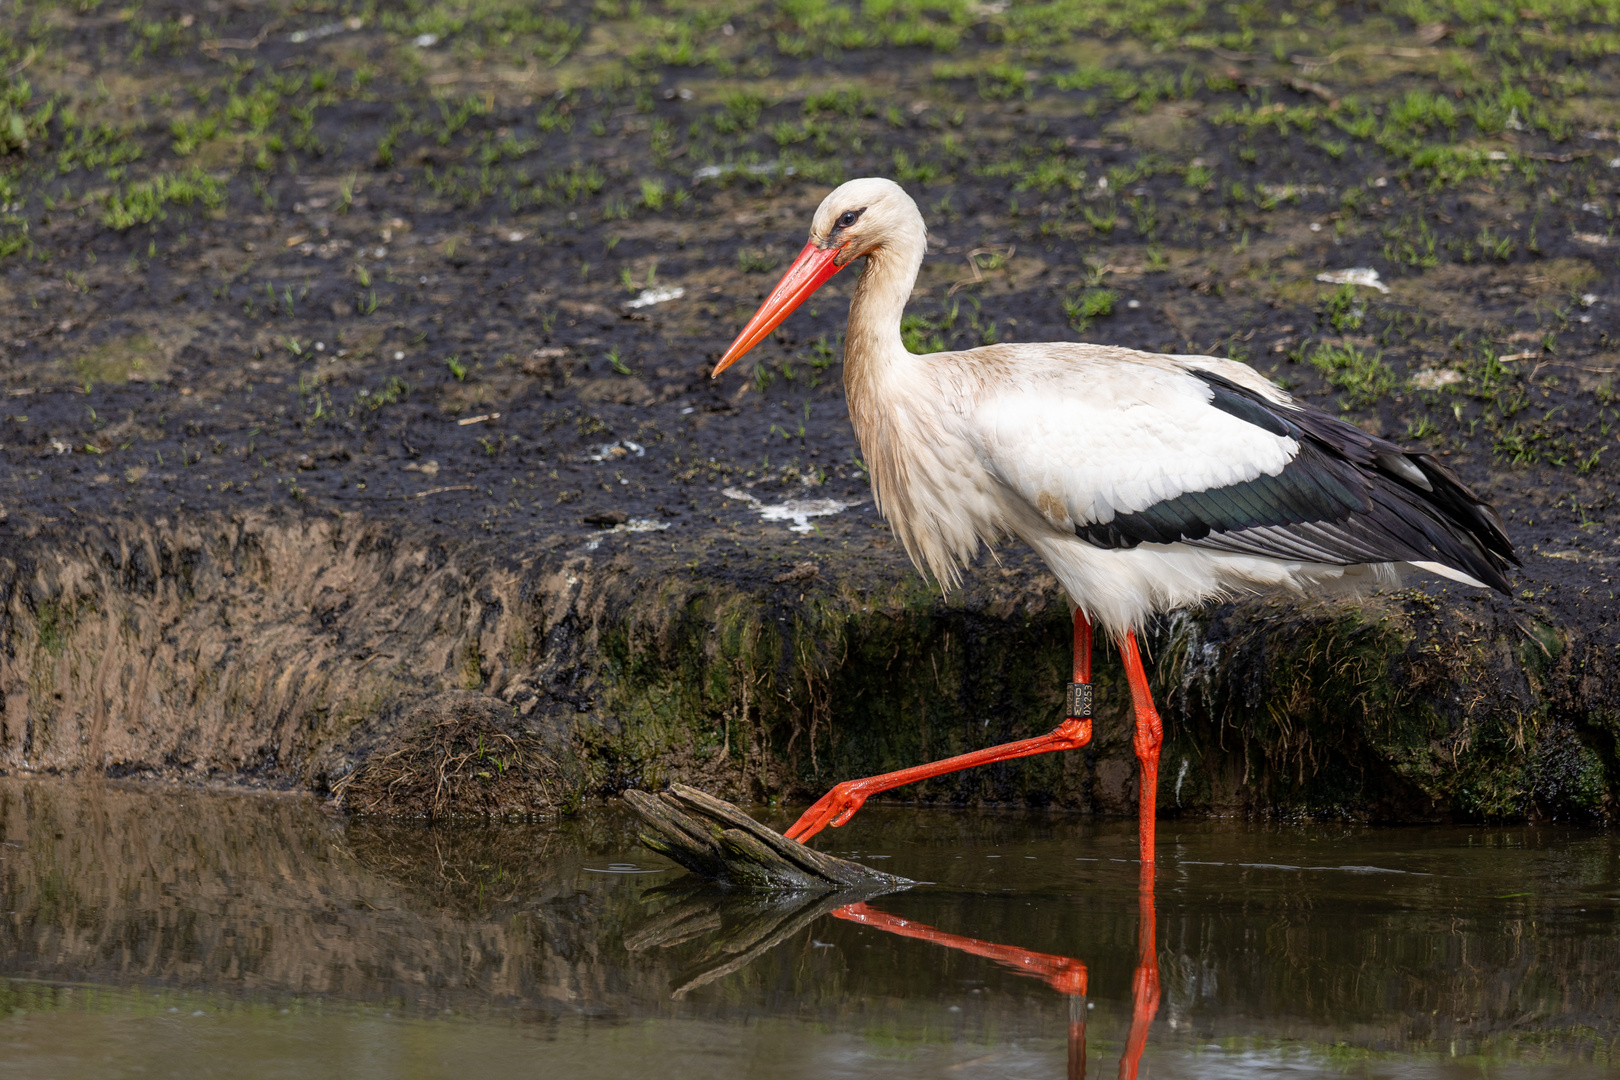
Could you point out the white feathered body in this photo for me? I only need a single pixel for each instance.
(971, 447)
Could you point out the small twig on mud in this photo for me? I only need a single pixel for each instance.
(442, 490)
(978, 271)
(22, 64)
(1314, 63)
(1589, 369)
(1527, 633)
(241, 43)
(1305, 86)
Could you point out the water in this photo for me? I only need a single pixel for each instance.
(166, 934)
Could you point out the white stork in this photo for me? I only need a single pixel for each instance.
(1146, 482)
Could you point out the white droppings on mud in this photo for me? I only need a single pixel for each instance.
(615, 450)
(1355, 275)
(1435, 378)
(763, 168)
(1292, 191)
(1180, 776)
(425, 41)
(798, 511)
(298, 37)
(634, 525)
(649, 297)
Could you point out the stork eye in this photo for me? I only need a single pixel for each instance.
(847, 218)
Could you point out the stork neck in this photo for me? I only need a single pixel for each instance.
(880, 300)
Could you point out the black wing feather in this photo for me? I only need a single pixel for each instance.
(1347, 497)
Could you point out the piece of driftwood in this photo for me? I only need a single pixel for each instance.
(738, 926)
(710, 836)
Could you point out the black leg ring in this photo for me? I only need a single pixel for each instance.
(1079, 701)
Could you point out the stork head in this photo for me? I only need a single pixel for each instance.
(861, 217)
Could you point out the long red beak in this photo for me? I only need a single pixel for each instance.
(807, 274)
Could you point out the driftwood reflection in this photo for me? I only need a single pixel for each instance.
(740, 927)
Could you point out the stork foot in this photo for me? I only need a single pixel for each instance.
(834, 808)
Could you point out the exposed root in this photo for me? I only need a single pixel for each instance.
(459, 753)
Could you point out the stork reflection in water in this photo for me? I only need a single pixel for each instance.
(1065, 974)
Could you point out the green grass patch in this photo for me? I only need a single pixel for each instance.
(145, 201)
(1089, 306)
(1363, 378)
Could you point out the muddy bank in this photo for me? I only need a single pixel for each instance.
(297, 651)
(355, 358)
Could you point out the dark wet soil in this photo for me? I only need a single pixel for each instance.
(302, 257)
(156, 356)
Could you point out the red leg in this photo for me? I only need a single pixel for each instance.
(1149, 737)
(1082, 647)
(1145, 983)
(839, 805)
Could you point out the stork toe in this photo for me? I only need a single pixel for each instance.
(834, 808)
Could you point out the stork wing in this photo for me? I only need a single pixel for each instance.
(1126, 453)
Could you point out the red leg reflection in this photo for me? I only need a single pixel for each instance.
(1145, 983)
(1077, 1038)
(1064, 974)
(839, 805)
